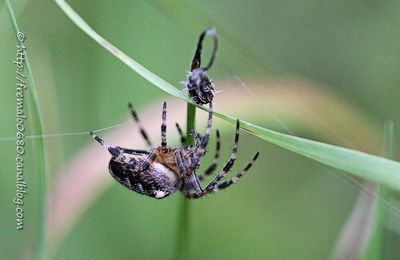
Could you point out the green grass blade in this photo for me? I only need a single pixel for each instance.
(38, 146)
(375, 247)
(184, 245)
(369, 167)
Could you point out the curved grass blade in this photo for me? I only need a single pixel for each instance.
(375, 247)
(38, 146)
(369, 167)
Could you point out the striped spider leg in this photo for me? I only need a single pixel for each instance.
(213, 186)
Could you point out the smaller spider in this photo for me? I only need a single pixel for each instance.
(161, 171)
(198, 85)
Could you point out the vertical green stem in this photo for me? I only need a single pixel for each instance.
(190, 122)
(375, 249)
(183, 246)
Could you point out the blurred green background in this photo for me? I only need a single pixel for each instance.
(287, 208)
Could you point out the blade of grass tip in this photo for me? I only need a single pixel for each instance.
(38, 147)
(184, 242)
(375, 246)
(369, 167)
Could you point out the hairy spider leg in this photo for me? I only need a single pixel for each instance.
(183, 137)
(142, 130)
(196, 137)
(214, 164)
(149, 160)
(134, 151)
(117, 151)
(164, 126)
(196, 61)
(230, 162)
(189, 182)
(224, 184)
(227, 183)
(225, 169)
(203, 144)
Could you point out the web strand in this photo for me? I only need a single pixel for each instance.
(52, 135)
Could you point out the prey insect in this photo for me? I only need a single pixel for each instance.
(198, 85)
(159, 172)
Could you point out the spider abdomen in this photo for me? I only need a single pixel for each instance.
(157, 181)
(200, 87)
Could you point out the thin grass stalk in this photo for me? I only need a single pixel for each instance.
(375, 247)
(183, 242)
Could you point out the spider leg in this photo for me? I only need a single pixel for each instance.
(225, 184)
(224, 170)
(229, 163)
(142, 131)
(189, 182)
(214, 164)
(119, 152)
(183, 137)
(114, 151)
(164, 126)
(203, 144)
(196, 137)
(233, 180)
(134, 151)
(149, 160)
(196, 61)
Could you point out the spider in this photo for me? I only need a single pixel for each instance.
(159, 172)
(198, 85)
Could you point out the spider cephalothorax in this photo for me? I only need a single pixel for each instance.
(161, 171)
(198, 85)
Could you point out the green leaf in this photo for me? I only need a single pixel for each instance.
(375, 247)
(369, 167)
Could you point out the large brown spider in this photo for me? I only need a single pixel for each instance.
(161, 171)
